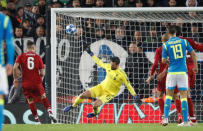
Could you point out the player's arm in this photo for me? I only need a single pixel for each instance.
(9, 40)
(164, 54)
(193, 54)
(196, 46)
(95, 59)
(154, 66)
(9, 44)
(162, 74)
(16, 71)
(42, 72)
(41, 67)
(194, 58)
(128, 85)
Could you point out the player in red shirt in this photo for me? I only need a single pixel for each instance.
(191, 73)
(32, 70)
(161, 80)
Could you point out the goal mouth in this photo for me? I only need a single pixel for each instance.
(132, 34)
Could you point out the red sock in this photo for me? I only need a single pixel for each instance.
(47, 105)
(161, 105)
(190, 107)
(33, 109)
(178, 107)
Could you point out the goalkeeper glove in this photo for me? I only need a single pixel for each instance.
(88, 50)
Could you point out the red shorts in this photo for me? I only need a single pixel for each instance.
(191, 76)
(34, 92)
(161, 86)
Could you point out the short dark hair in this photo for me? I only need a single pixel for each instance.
(178, 31)
(26, 20)
(172, 29)
(30, 44)
(19, 8)
(19, 27)
(116, 60)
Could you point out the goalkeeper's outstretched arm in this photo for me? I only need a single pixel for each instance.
(96, 59)
(99, 62)
(128, 85)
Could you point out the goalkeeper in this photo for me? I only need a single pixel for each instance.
(108, 88)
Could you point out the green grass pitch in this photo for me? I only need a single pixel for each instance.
(99, 127)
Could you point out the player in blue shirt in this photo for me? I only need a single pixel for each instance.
(6, 36)
(175, 49)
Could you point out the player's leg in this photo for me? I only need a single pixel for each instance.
(160, 92)
(78, 100)
(96, 106)
(170, 86)
(103, 98)
(184, 105)
(92, 92)
(40, 92)
(167, 105)
(182, 83)
(47, 105)
(192, 117)
(1, 110)
(161, 101)
(178, 105)
(3, 91)
(81, 97)
(33, 108)
(191, 79)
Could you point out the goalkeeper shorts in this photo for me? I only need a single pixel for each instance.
(98, 92)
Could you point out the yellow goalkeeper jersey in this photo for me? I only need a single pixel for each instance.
(114, 78)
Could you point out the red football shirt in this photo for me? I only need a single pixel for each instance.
(195, 46)
(157, 60)
(30, 63)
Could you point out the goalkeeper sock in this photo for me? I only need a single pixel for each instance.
(167, 106)
(184, 105)
(161, 105)
(33, 109)
(96, 110)
(77, 101)
(190, 107)
(178, 106)
(1, 113)
(46, 103)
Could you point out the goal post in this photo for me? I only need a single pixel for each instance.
(112, 32)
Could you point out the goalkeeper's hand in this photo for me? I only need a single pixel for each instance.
(137, 100)
(88, 50)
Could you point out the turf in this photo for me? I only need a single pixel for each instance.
(99, 127)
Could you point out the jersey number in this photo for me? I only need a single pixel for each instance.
(30, 63)
(177, 51)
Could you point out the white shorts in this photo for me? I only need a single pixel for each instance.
(3, 81)
(181, 81)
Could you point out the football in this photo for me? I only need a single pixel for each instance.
(71, 29)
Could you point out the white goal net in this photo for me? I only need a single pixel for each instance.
(132, 34)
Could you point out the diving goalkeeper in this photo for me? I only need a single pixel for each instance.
(108, 88)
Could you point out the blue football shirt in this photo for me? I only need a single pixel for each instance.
(175, 48)
(6, 35)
